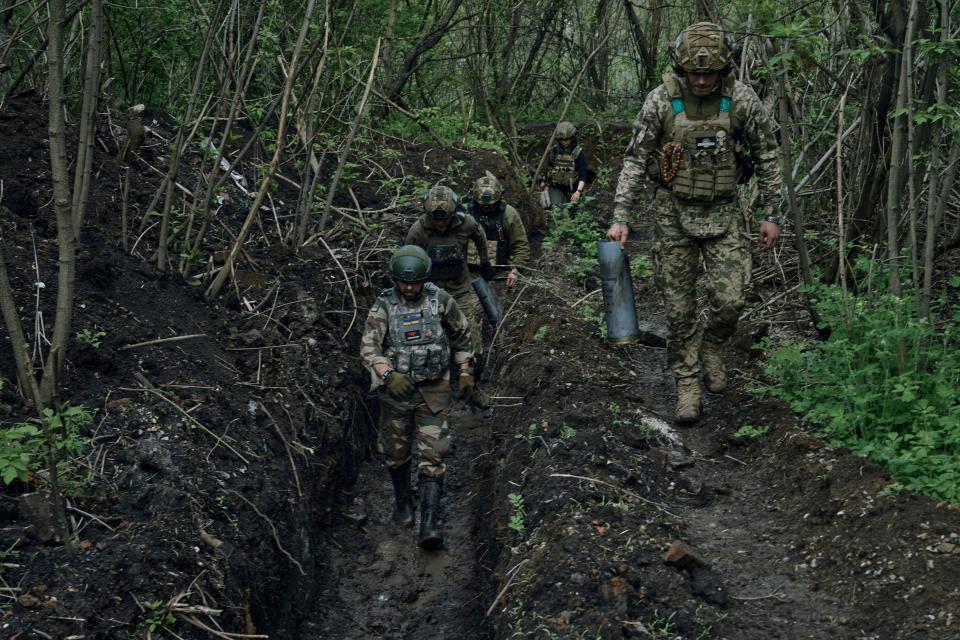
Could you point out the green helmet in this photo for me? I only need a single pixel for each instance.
(702, 48)
(410, 263)
(440, 202)
(565, 130)
(487, 190)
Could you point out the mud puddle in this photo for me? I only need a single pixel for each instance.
(379, 584)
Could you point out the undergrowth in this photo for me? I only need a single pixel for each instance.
(886, 386)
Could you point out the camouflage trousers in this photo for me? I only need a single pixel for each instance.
(685, 235)
(424, 416)
(469, 304)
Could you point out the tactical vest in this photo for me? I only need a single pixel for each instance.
(498, 240)
(563, 168)
(707, 169)
(416, 343)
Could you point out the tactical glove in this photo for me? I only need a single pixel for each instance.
(487, 272)
(399, 386)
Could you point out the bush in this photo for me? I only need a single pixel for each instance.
(886, 387)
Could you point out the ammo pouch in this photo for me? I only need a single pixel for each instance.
(447, 263)
(417, 343)
(708, 168)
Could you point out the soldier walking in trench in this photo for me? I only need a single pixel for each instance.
(406, 345)
(444, 231)
(506, 236)
(698, 135)
(567, 172)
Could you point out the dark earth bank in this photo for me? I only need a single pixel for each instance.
(231, 488)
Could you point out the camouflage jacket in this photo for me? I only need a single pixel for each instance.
(647, 142)
(507, 241)
(448, 250)
(373, 340)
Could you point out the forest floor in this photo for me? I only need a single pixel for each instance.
(231, 487)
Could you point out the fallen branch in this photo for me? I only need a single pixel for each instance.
(219, 634)
(193, 421)
(516, 572)
(659, 506)
(192, 336)
(347, 281)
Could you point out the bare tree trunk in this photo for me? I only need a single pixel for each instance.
(18, 343)
(66, 235)
(227, 271)
(361, 109)
(88, 115)
(176, 151)
(412, 59)
(897, 157)
(796, 214)
(934, 172)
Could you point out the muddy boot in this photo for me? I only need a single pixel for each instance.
(430, 536)
(714, 373)
(688, 400)
(403, 511)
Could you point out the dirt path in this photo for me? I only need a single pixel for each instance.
(379, 584)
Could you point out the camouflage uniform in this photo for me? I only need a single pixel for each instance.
(506, 237)
(687, 229)
(427, 409)
(564, 170)
(447, 253)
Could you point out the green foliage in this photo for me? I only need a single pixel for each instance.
(594, 316)
(887, 386)
(576, 225)
(24, 446)
(528, 435)
(640, 267)
(583, 269)
(751, 432)
(567, 432)
(517, 513)
(92, 338)
(541, 332)
(159, 616)
(20, 451)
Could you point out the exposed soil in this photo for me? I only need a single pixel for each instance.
(231, 483)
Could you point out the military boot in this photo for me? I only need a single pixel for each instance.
(714, 373)
(688, 400)
(403, 511)
(430, 536)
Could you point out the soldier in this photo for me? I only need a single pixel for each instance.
(567, 171)
(698, 135)
(406, 344)
(444, 232)
(506, 236)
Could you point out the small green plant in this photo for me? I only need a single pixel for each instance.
(583, 269)
(751, 432)
(539, 335)
(517, 513)
(575, 225)
(20, 449)
(24, 446)
(456, 169)
(92, 338)
(529, 435)
(159, 616)
(594, 316)
(567, 432)
(640, 267)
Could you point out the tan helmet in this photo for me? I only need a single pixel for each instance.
(565, 130)
(440, 202)
(487, 190)
(702, 48)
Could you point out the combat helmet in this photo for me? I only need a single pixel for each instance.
(410, 263)
(565, 130)
(440, 202)
(487, 190)
(702, 48)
